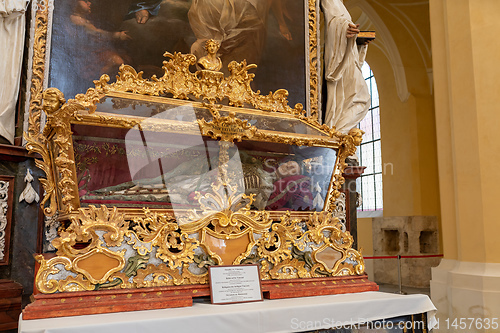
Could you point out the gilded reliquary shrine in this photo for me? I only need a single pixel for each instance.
(154, 180)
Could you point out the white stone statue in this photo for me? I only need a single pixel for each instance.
(12, 28)
(348, 98)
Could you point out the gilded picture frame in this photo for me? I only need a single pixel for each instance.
(66, 38)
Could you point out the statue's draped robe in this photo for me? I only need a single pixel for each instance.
(348, 98)
(12, 27)
(239, 25)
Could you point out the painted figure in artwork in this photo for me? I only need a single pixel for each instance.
(240, 26)
(347, 93)
(80, 18)
(143, 10)
(93, 37)
(84, 46)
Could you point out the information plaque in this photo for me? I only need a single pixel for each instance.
(235, 284)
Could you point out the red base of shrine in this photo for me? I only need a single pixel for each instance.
(122, 300)
(276, 289)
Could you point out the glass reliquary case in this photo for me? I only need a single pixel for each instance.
(156, 179)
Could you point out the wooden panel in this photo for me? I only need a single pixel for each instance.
(10, 304)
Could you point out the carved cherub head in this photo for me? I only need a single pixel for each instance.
(212, 46)
(357, 135)
(52, 98)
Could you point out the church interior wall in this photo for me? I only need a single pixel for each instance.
(440, 147)
(24, 227)
(408, 129)
(466, 282)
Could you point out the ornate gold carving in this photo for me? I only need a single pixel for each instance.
(49, 267)
(191, 278)
(275, 245)
(37, 142)
(284, 250)
(226, 215)
(174, 247)
(38, 70)
(84, 227)
(211, 62)
(59, 168)
(348, 145)
(326, 231)
(227, 128)
(289, 269)
(160, 276)
(204, 85)
(269, 136)
(313, 59)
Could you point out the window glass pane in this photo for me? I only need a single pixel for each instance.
(378, 156)
(370, 154)
(376, 123)
(360, 154)
(367, 161)
(366, 126)
(378, 190)
(365, 69)
(368, 192)
(374, 93)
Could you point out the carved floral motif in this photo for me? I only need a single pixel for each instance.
(284, 250)
(4, 197)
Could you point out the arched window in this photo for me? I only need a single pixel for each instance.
(370, 154)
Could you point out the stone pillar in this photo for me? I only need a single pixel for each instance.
(466, 89)
(351, 173)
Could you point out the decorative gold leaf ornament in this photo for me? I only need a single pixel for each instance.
(149, 248)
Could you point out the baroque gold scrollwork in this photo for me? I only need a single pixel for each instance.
(84, 227)
(287, 249)
(325, 231)
(313, 58)
(226, 216)
(159, 276)
(227, 128)
(60, 168)
(180, 82)
(348, 145)
(38, 69)
(290, 269)
(174, 247)
(48, 268)
(275, 245)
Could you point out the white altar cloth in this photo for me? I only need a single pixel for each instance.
(282, 315)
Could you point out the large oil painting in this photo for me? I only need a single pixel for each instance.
(93, 37)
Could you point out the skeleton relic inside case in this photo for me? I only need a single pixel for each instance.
(156, 179)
